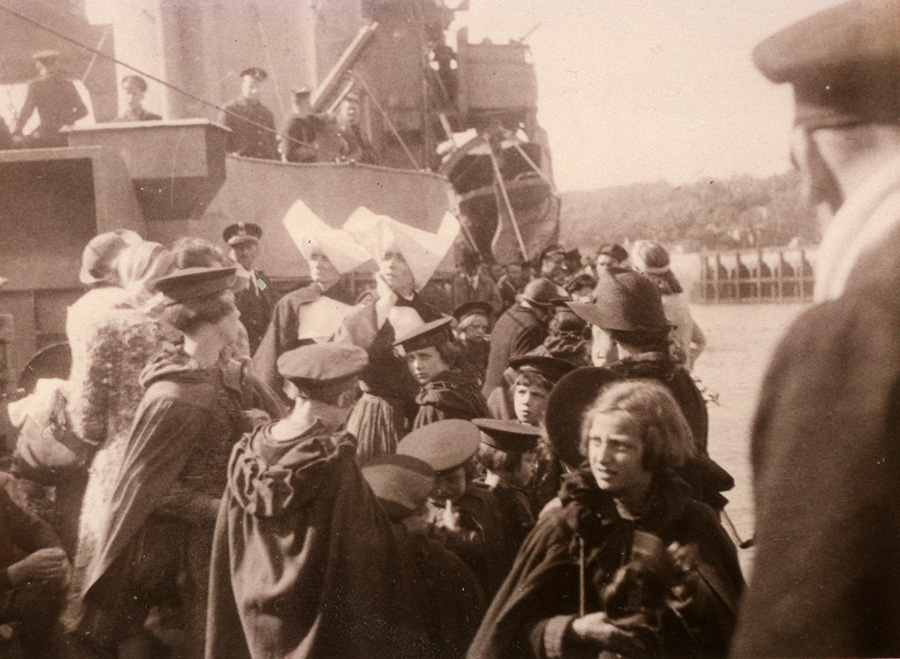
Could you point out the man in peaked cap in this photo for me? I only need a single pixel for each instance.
(305, 560)
(447, 389)
(354, 145)
(298, 132)
(552, 264)
(135, 88)
(520, 329)
(56, 100)
(256, 301)
(825, 439)
(464, 515)
(312, 313)
(252, 124)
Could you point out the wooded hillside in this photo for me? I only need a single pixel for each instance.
(740, 212)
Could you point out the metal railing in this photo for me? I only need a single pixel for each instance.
(760, 275)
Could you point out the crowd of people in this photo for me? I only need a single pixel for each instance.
(238, 475)
(522, 473)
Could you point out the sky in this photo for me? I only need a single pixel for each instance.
(633, 91)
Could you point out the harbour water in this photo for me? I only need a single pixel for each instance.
(740, 342)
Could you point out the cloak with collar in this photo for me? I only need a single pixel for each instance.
(451, 394)
(305, 561)
(186, 412)
(531, 613)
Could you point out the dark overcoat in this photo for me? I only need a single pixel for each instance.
(826, 461)
(517, 332)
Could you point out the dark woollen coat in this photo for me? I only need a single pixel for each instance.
(305, 560)
(826, 461)
(517, 332)
(451, 394)
(256, 303)
(540, 597)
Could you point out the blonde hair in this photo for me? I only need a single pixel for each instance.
(664, 430)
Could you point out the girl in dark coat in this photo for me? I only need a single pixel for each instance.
(448, 391)
(563, 597)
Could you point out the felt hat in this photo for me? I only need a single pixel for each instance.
(422, 250)
(193, 283)
(443, 445)
(467, 309)
(551, 368)
(309, 232)
(508, 436)
(242, 232)
(624, 300)
(426, 335)
(543, 292)
(400, 480)
(650, 257)
(566, 406)
(98, 260)
(843, 63)
(255, 72)
(613, 250)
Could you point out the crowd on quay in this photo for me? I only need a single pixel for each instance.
(324, 475)
(327, 474)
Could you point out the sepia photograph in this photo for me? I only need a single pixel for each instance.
(449, 329)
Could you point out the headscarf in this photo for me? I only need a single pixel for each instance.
(139, 264)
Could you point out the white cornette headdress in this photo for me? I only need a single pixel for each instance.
(308, 231)
(422, 250)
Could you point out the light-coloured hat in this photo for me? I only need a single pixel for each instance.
(308, 232)
(422, 250)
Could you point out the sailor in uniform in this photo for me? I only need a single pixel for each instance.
(135, 88)
(256, 301)
(312, 313)
(55, 98)
(252, 124)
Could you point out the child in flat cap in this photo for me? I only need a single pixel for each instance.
(447, 390)
(451, 595)
(463, 515)
(508, 454)
(305, 560)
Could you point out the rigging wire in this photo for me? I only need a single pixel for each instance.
(193, 97)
